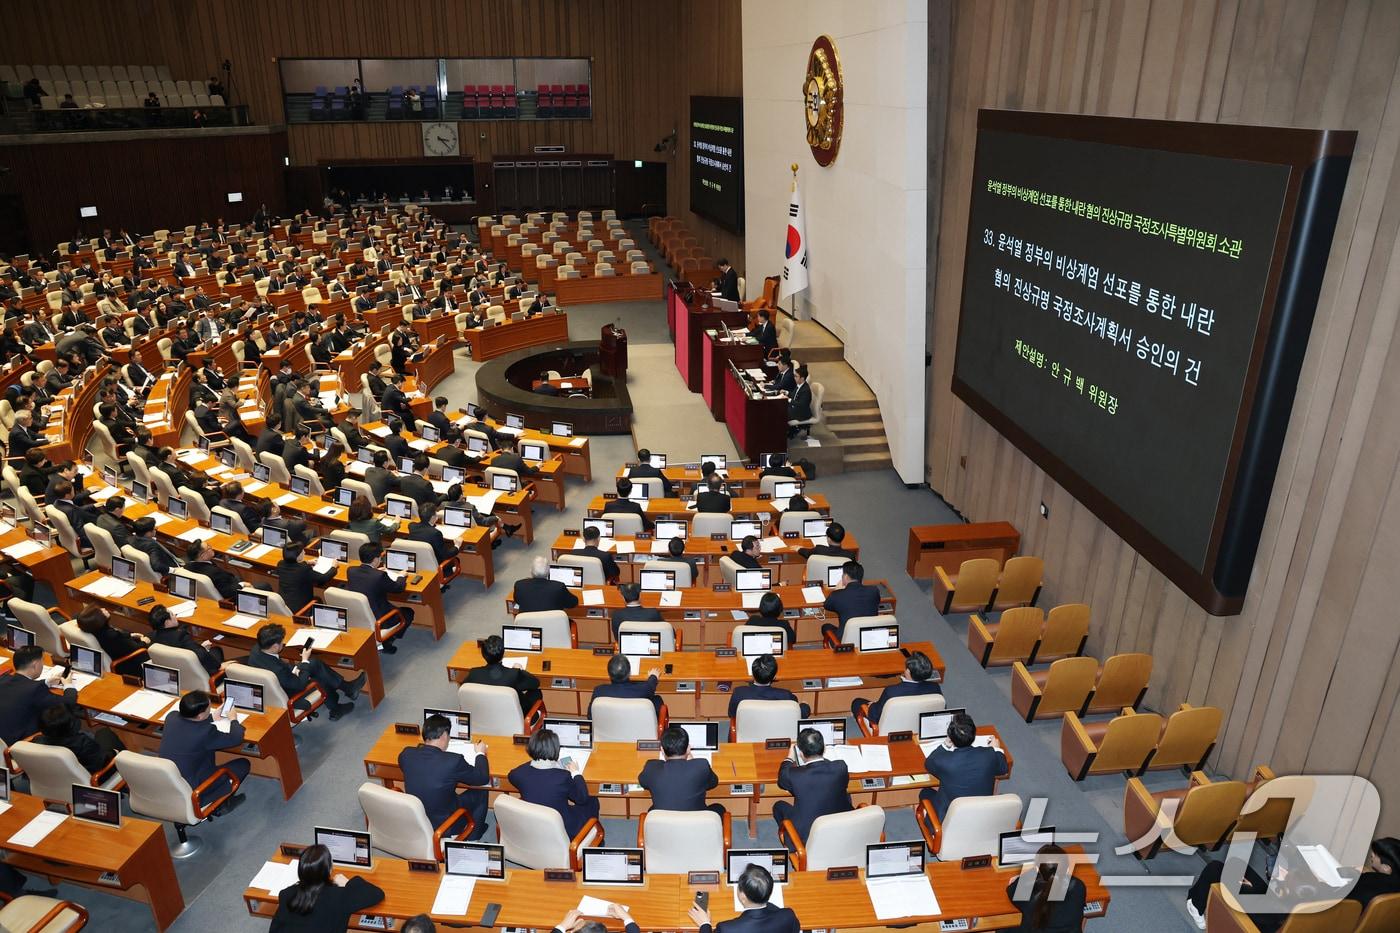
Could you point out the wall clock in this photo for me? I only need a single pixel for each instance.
(440, 139)
(822, 100)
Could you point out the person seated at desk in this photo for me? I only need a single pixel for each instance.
(764, 669)
(625, 505)
(438, 416)
(23, 438)
(126, 651)
(538, 593)
(191, 738)
(495, 674)
(621, 686)
(369, 578)
(799, 401)
(509, 459)
(294, 678)
(545, 781)
(754, 889)
(632, 609)
(394, 442)
(835, 535)
(851, 599)
(710, 493)
(417, 485)
(34, 475)
(425, 529)
(143, 539)
(167, 630)
(394, 400)
(320, 902)
(298, 581)
(590, 548)
(109, 519)
(270, 438)
(764, 331)
(252, 513)
(915, 681)
(818, 786)
(381, 481)
(961, 768)
(675, 551)
(431, 773)
(544, 386)
(680, 780)
(350, 428)
(375, 377)
(330, 467)
(199, 558)
(24, 697)
(782, 381)
(770, 613)
(575, 922)
(61, 728)
(184, 343)
(749, 553)
(1048, 909)
(644, 470)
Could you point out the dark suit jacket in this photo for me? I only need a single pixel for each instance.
(800, 403)
(509, 461)
(853, 601)
(162, 561)
(191, 745)
(180, 637)
(442, 549)
(376, 585)
(297, 582)
(964, 772)
(778, 622)
(647, 471)
(381, 482)
(291, 682)
(679, 784)
(770, 918)
(634, 614)
(610, 570)
(418, 489)
(817, 788)
(757, 692)
(269, 441)
(745, 561)
(1066, 915)
(729, 284)
(627, 506)
(536, 595)
(524, 683)
(22, 701)
(767, 336)
(783, 382)
(432, 774)
(631, 690)
(827, 550)
(91, 756)
(334, 907)
(902, 688)
(708, 501)
(556, 788)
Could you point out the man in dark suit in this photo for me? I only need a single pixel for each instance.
(294, 678)
(62, 729)
(818, 786)
(199, 558)
(509, 459)
(632, 609)
(79, 515)
(545, 781)
(764, 331)
(495, 674)
(425, 530)
(24, 697)
(144, 539)
(191, 738)
(917, 680)
(431, 773)
(232, 499)
(710, 493)
(770, 614)
(538, 593)
(270, 439)
(778, 466)
(297, 581)
(368, 577)
(417, 486)
(350, 427)
(728, 282)
(800, 401)
(590, 548)
(167, 630)
(621, 686)
(749, 554)
(624, 505)
(764, 668)
(783, 382)
(294, 453)
(394, 401)
(754, 889)
(851, 599)
(680, 780)
(644, 470)
(23, 437)
(380, 478)
(835, 534)
(961, 768)
(438, 417)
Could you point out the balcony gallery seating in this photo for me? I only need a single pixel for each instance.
(981, 586)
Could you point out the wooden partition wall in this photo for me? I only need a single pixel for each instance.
(1308, 674)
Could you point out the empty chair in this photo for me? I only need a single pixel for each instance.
(277, 468)
(103, 547)
(399, 825)
(1274, 804)
(556, 628)
(757, 720)
(1122, 681)
(1066, 685)
(1013, 637)
(971, 589)
(675, 842)
(1382, 914)
(1065, 635)
(41, 621)
(835, 839)
(533, 835)
(496, 710)
(1124, 743)
(1019, 583)
(973, 825)
(1224, 915)
(1187, 738)
(157, 790)
(901, 714)
(616, 719)
(670, 638)
(704, 524)
(592, 567)
(1201, 815)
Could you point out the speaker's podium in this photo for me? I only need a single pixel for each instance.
(695, 310)
(612, 352)
(756, 420)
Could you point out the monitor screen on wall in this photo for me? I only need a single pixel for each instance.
(1137, 300)
(717, 160)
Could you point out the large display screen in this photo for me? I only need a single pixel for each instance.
(1127, 284)
(717, 160)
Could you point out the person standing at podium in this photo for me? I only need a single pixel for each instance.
(728, 282)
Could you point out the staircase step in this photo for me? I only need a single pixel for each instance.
(850, 415)
(817, 354)
(849, 404)
(854, 463)
(844, 431)
(866, 446)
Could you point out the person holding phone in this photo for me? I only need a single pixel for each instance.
(754, 889)
(547, 781)
(293, 679)
(192, 737)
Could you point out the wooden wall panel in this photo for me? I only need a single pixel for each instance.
(1308, 672)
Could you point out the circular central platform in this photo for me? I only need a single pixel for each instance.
(505, 385)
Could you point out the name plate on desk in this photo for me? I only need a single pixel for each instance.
(903, 736)
(842, 649)
(790, 536)
(719, 652)
(520, 740)
(648, 745)
(609, 495)
(699, 878)
(777, 744)
(724, 587)
(602, 651)
(407, 728)
(423, 865)
(643, 536)
(718, 536)
(844, 873)
(594, 613)
(291, 850)
(765, 497)
(558, 874)
(571, 532)
(972, 862)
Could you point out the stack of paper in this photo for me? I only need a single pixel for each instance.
(380, 431)
(485, 502)
(771, 543)
(463, 747)
(844, 681)
(593, 906)
(198, 534)
(592, 597)
(671, 599)
(273, 877)
(239, 620)
(323, 564)
(321, 638)
(661, 546)
(103, 494)
(454, 895)
(36, 829)
(144, 704)
(254, 485)
(160, 518)
(904, 896)
(626, 547)
(750, 600)
(257, 550)
(22, 549)
(109, 587)
(183, 609)
(813, 594)
(286, 498)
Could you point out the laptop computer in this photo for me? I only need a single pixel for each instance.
(657, 581)
(522, 637)
(879, 638)
(1020, 846)
(755, 644)
(347, 846)
(613, 866)
(670, 528)
(753, 581)
(244, 695)
(566, 574)
(474, 859)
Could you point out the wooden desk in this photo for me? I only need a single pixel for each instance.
(51, 564)
(757, 425)
(743, 480)
(699, 683)
(738, 505)
(436, 365)
(575, 451)
(717, 353)
(693, 318)
(663, 901)
(351, 652)
(947, 546)
(588, 288)
(489, 342)
(130, 861)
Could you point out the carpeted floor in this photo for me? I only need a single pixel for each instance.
(876, 506)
